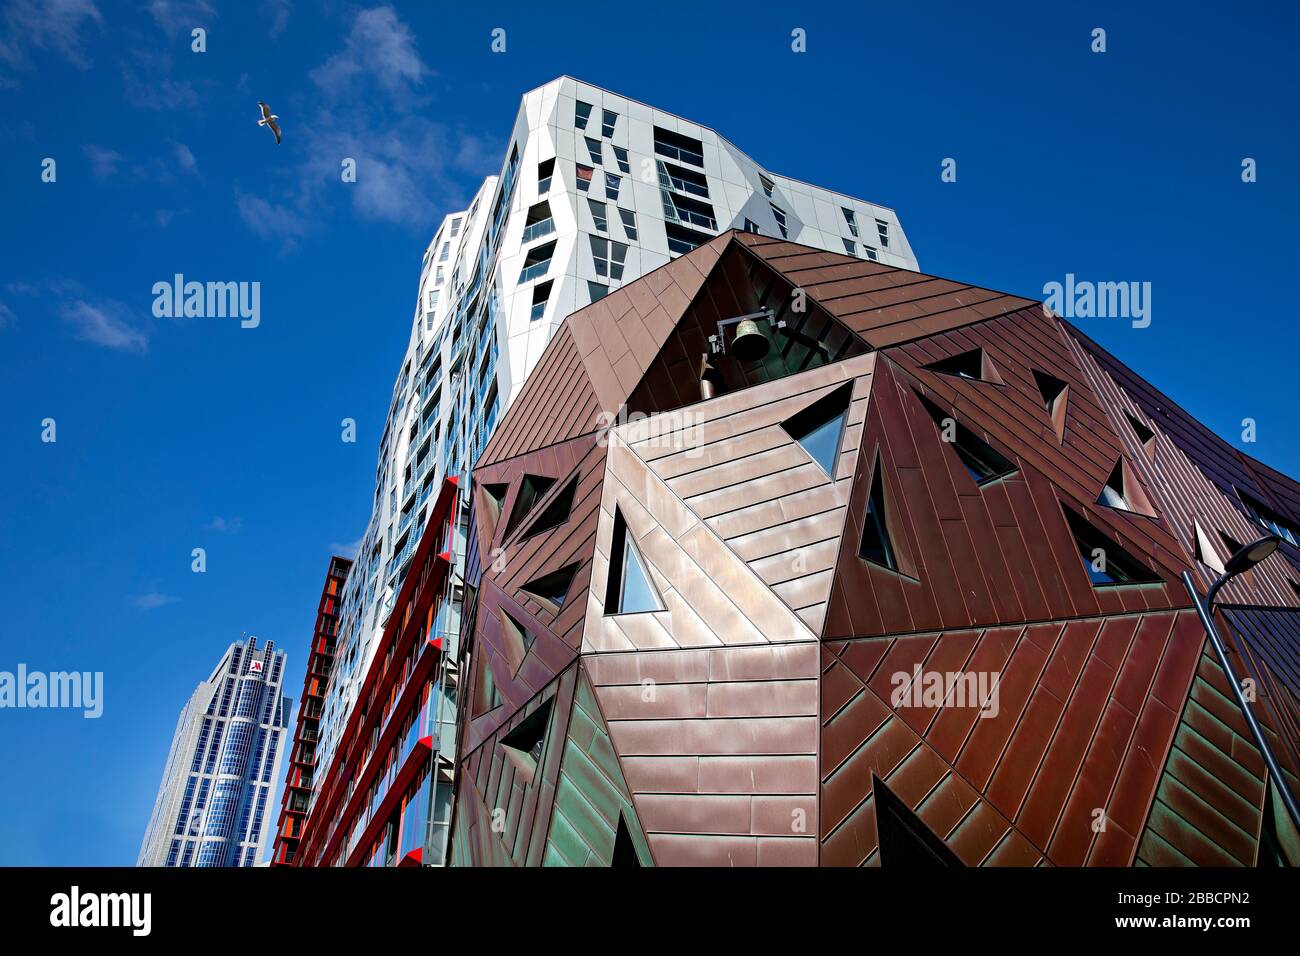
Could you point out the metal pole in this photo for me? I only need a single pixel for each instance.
(1256, 730)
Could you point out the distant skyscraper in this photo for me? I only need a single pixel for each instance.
(223, 765)
(595, 191)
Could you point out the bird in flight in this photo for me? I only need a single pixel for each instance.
(268, 120)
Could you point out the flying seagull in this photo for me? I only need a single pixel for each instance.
(268, 119)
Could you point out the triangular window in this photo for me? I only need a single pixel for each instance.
(515, 638)
(630, 590)
(1123, 492)
(1105, 561)
(1056, 397)
(973, 365)
(1144, 435)
(552, 589)
(525, 745)
(982, 460)
(820, 427)
(905, 840)
(876, 545)
(531, 490)
(624, 848)
(487, 697)
(555, 513)
(1205, 551)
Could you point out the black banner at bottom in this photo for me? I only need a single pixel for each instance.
(327, 907)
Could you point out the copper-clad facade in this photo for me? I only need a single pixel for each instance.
(902, 590)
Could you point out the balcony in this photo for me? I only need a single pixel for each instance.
(539, 230)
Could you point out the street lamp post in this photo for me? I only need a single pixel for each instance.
(1243, 560)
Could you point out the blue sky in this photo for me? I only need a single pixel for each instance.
(182, 433)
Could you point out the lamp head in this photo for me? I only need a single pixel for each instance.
(1250, 555)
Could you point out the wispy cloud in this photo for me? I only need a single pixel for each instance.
(181, 16)
(278, 12)
(148, 85)
(104, 325)
(152, 600)
(370, 108)
(347, 550)
(6, 315)
(380, 48)
(52, 25)
(226, 525)
(185, 158)
(103, 161)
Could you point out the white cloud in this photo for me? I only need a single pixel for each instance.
(186, 158)
(181, 16)
(6, 315)
(379, 48)
(226, 525)
(53, 25)
(278, 11)
(103, 161)
(104, 325)
(347, 550)
(409, 168)
(152, 599)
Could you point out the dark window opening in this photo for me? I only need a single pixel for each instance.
(982, 460)
(552, 589)
(819, 428)
(1105, 561)
(1056, 396)
(1144, 433)
(905, 840)
(530, 492)
(973, 365)
(681, 239)
(624, 849)
(684, 149)
(556, 512)
(526, 743)
(876, 545)
(629, 590)
(517, 639)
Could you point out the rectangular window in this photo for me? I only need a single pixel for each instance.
(455, 227)
(629, 223)
(537, 262)
(619, 257)
(871, 253)
(600, 255)
(768, 185)
(851, 218)
(581, 114)
(593, 149)
(780, 220)
(691, 211)
(596, 290)
(681, 239)
(608, 121)
(584, 178)
(850, 246)
(437, 276)
(882, 228)
(751, 226)
(539, 222)
(541, 292)
(620, 156)
(445, 253)
(682, 180)
(612, 183)
(684, 149)
(545, 169)
(598, 215)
